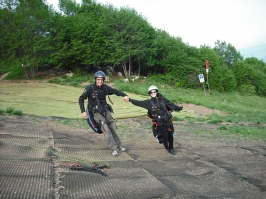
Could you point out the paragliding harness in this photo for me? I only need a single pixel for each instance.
(91, 110)
(158, 119)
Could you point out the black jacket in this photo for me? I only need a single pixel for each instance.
(92, 92)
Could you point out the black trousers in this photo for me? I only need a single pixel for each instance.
(168, 138)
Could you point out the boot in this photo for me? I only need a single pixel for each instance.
(172, 151)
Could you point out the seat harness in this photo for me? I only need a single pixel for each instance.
(160, 115)
(100, 109)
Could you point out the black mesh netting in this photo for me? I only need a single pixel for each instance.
(36, 155)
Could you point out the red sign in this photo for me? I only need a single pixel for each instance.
(207, 66)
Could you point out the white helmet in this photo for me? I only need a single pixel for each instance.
(152, 87)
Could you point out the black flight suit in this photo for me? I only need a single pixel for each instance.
(97, 106)
(158, 107)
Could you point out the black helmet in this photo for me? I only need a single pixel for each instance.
(99, 74)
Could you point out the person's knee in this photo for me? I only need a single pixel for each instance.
(105, 127)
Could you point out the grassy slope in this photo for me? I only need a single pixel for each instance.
(46, 99)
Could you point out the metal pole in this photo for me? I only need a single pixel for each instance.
(208, 83)
(204, 88)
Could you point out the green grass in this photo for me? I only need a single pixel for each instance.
(257, 133)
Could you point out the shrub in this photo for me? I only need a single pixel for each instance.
(222, 79)
(246, 89)
(243, 73)
(77, 72)
(9, 109)
(55, 81)
(17, 112)
(15, 73)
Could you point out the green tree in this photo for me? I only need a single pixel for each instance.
(207, 53)
(256, 64)
(129, 37)
(260, 83)
(24, 32)
(76, 37)
(227, 53)
(222, 79)
(244, 74)
(93, 34)
(171, 58)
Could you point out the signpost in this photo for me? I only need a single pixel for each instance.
(201, 79)
(207, 72)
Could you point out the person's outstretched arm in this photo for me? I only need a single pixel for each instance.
(143, 103)
(172, 106)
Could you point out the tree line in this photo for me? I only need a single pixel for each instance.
(80, 36)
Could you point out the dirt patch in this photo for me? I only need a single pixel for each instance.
(202, 110)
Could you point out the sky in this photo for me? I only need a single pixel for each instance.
(202, 22)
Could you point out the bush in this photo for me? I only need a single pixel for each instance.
(9, 109)
(16, 72)
(73, 81)
(77, 72)
(55, 81)
(222, 79)
(246, 89)
(17, 112)
(243, 73)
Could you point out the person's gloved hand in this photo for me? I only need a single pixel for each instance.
(179, 108)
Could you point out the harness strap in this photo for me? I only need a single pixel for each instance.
(108, 95)
(165, 119)
(165, 114)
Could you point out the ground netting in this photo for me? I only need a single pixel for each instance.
(36, 156)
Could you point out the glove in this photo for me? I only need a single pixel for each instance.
(179, 108)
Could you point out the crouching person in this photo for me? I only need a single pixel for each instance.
(98, 109)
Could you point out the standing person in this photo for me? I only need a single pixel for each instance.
(158, 109)
(98, 109)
